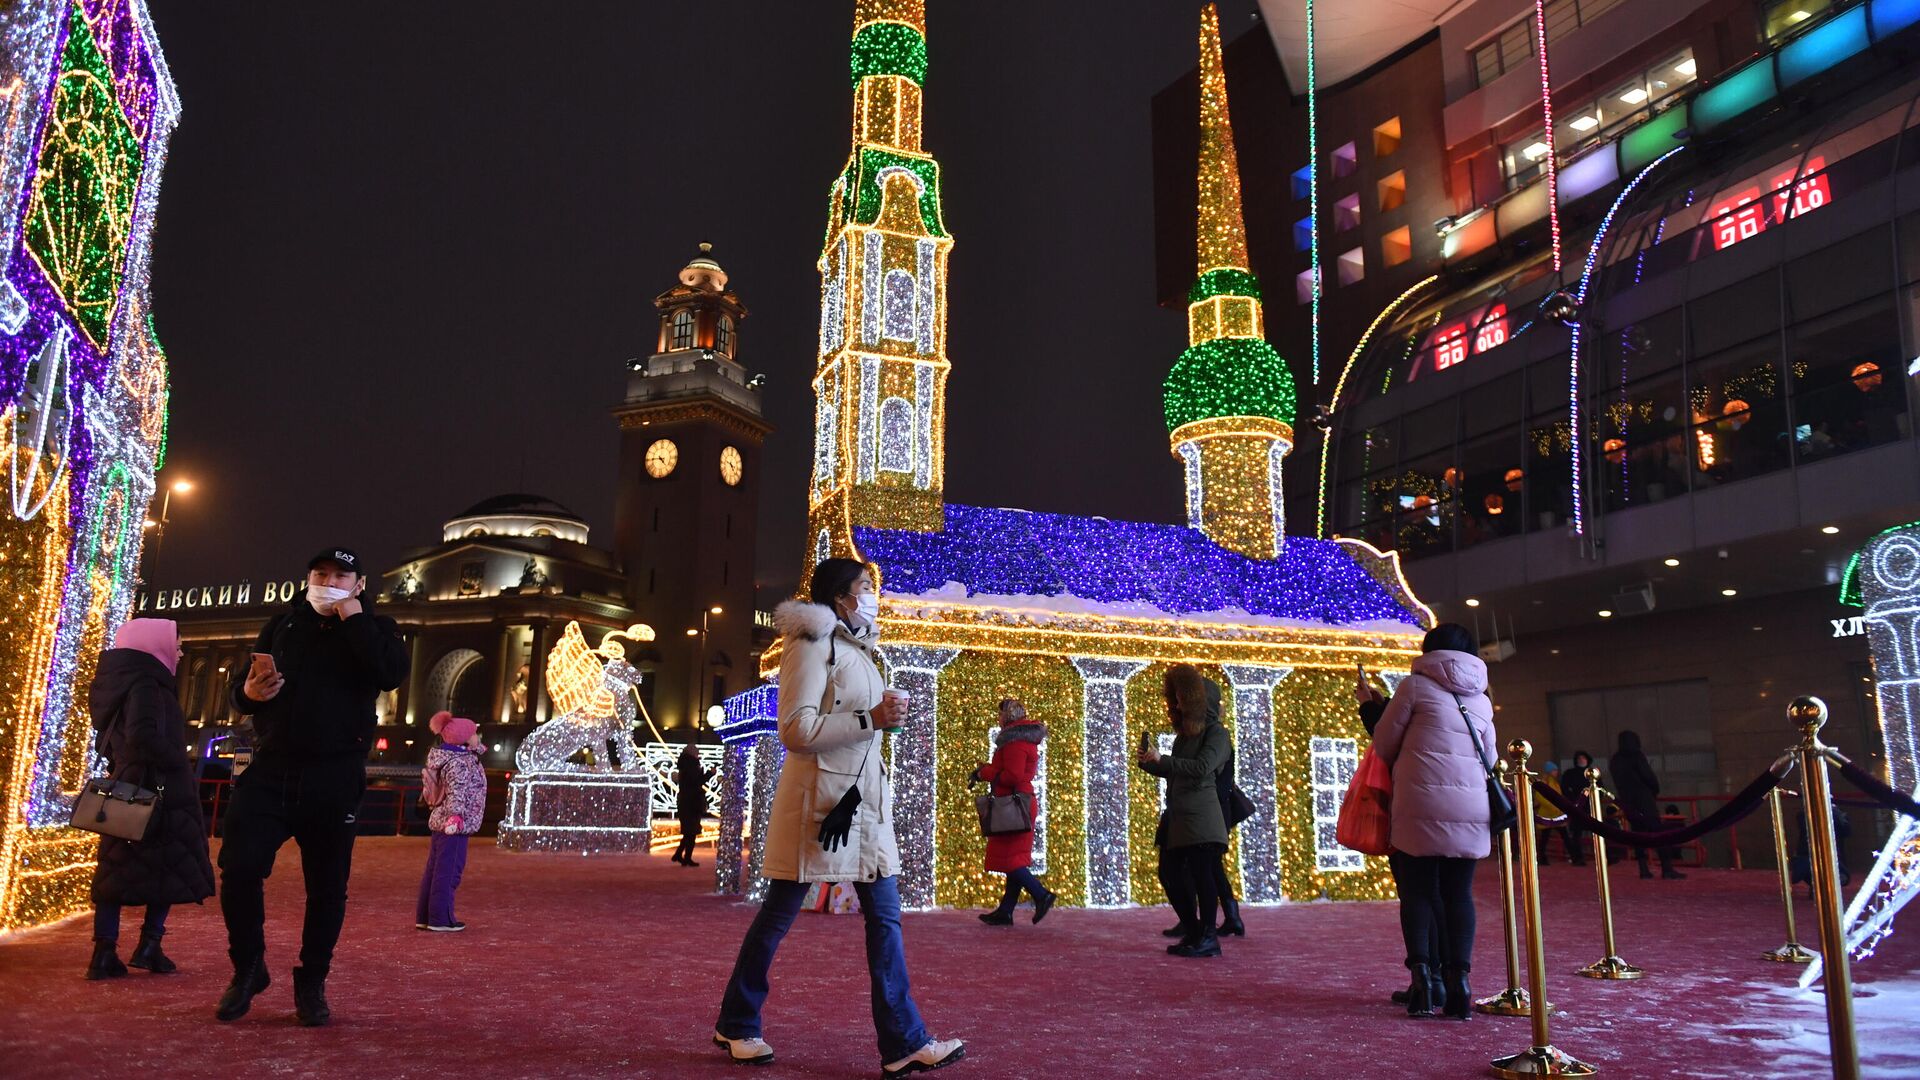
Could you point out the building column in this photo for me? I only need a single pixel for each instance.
(912, 763)
(1254, 771)
(416, 678)
(538, 706)
(503, 656)
(1107, 758)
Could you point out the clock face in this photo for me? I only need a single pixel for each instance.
(730, 466)
(662, 456)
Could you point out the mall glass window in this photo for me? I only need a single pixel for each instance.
(1630, 101)
(1641, 348)
(1786, 18)
(1432, 428)
(1510, 50)
(1524, 159)
(1839, 274)
(1423, 492)
(1492, 405)
(1366, 452)
(1492, 488)
(1637, 438)
(1548, 386)
(1736, 313)
(1737, 404)
(1548, 446)
(1848, 389)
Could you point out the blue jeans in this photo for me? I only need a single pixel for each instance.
(106, 921)
(1018, 881)
(896, 1020)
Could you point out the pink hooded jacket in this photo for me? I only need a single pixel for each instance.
(158, 638)
(1439, 773)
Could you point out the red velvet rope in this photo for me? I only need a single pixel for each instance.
(1878, 792)
(1746, 802)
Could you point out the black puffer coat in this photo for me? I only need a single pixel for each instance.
(143, 736)
(1635, 787)
(693, 791)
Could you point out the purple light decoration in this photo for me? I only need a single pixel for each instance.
(1573, 367)
(749, 713)
(1173, 568)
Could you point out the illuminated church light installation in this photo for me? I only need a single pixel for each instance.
(1078, 617)
(86, 109)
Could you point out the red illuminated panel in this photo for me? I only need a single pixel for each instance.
(1811, 193)
(1493, 331)
(1449, 346)
(1742, 218)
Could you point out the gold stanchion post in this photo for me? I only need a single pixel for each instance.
(1792, 952)
(1542, 1058)
(1809, 713)
(1513, 1001)
(1609, 966)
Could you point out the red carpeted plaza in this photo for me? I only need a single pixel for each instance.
(613, 966)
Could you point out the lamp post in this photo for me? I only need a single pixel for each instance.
(159, 525)
(700, 664)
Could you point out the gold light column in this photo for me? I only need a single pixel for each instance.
(1792, 952)
(1513, 1001)
(1542, 1058)
(1609, 966)
(1809, 714)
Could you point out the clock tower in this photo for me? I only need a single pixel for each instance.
(685, 518)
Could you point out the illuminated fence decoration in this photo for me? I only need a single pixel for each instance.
(1253, 722)
(583, 813)
(912, 762)
(86, 110)
(1884, 578)
(1334, 763)
(663, 764)
(1039, 800)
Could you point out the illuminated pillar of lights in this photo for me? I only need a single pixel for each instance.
(1340, 386)
(1230, 400)
(1546, 111)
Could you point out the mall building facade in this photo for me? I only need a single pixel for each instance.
(1640, 473)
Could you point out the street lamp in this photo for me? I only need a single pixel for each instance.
(700, 669)
(159, 526)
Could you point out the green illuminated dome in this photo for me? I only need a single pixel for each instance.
(1232, 376)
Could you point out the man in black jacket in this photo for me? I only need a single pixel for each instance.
(313, 721)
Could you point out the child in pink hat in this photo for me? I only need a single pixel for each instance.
(454, 784)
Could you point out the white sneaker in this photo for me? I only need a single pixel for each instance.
(937, 1054)
(745, 1051)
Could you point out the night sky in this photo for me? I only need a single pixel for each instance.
(404, 249)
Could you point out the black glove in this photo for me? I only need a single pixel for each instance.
(839, 821)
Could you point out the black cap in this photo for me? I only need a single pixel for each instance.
(344, 558)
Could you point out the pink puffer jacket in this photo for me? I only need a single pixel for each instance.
(1439, 773)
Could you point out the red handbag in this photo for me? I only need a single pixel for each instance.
(1366, 814)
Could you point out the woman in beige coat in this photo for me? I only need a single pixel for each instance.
(832, 817)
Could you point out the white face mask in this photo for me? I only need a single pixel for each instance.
(866, 609)
(324, 597)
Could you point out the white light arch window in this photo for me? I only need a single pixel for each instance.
(1333, 762)
(896, 435)
(723, 335)
(682, 330)
(901, 297)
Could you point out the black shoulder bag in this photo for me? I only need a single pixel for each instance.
(1500, 812)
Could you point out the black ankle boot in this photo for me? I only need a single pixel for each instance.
(310, 998)
(105, 963)
(1230, 923)
(1177, 930)
(249, 978)
(147, 955)
(1420, 992)
(1205, 944)
(1459, 1003)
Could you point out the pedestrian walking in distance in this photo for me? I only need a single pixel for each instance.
(1637, 789)
(317, 669)
(454, 785)
(692, 804)
(1016, 761)
(143, 736)
(832, 817)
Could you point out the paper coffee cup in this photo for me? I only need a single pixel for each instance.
(899, 696)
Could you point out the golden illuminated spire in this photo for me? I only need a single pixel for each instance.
(1222, 235)
(911, 12)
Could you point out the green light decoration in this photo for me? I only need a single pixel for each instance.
(1229, 377)
(1227, 281)
(82, 203)
(1850, 581)
(873, 161)
(889, 48)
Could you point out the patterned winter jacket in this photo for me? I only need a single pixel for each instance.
(456, 776)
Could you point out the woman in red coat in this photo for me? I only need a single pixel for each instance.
(1016, 758)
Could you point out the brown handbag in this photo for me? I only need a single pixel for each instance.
(113, 807)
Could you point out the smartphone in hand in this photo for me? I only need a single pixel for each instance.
(263, 665)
